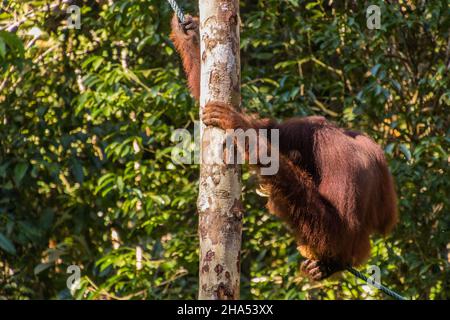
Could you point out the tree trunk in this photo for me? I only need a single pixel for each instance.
(219, 204)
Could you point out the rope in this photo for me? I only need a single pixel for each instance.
(377, 285)
(177, 10)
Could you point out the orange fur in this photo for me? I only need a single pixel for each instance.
(333, 187)
(188, 45)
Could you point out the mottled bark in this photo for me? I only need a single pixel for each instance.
(219, 203)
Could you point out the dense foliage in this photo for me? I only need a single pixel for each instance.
(86, 117)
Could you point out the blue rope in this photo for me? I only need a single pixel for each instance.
(177, 10)
(378, 285)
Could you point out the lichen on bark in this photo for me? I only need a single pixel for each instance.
(219, 204)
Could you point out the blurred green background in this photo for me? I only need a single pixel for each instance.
(86, 116)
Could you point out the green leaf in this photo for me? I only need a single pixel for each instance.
(46, 219)
(6, 244)
(389, 148)
(97, 62)
(120, 184)
(19, 172)
(2, 48)
(405, 150)
(375, 69)
(311, 5)
(41, 267)
(3, 170)
(13, 41)
(77, 170)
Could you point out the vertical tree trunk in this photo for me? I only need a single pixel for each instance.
(219, 204)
